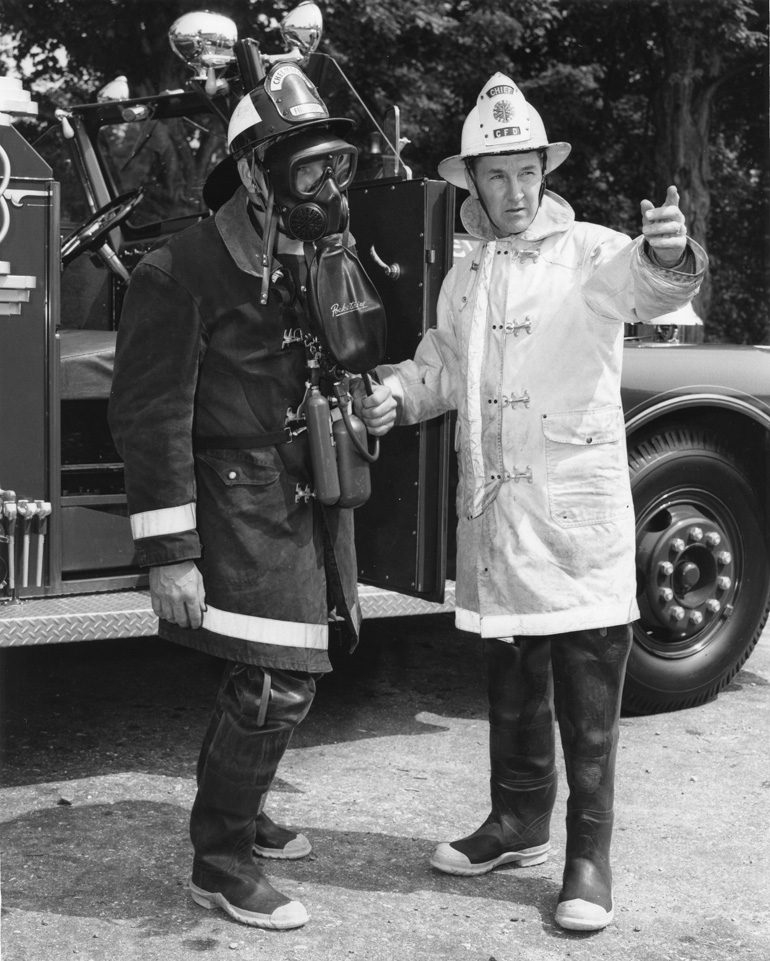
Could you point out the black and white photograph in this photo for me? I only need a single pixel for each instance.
(384, 480)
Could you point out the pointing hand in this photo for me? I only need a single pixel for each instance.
(664, 228)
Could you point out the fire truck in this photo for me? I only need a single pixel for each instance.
(131, 174)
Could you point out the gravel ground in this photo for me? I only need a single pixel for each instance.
(99, 743)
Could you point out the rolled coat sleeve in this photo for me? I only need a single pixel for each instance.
(151, 413)
(630, 284)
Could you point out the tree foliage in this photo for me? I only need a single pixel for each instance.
(648, 92)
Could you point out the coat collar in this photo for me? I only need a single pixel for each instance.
(553, 217)
(241, 239)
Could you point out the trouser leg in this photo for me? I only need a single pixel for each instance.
(253, 721)
(522, 771)
(589, 669)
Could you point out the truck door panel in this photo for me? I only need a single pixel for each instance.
(401, 532)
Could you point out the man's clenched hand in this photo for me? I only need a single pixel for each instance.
(177, 593)
(377, 410)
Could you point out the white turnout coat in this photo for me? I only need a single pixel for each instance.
(528, 349)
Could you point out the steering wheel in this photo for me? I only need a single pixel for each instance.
(91, 235)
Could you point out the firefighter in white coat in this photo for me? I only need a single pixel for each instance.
(528, 350)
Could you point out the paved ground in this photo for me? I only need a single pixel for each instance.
(100, 742)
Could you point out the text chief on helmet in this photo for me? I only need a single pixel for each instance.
(290, 155)
(500, 124)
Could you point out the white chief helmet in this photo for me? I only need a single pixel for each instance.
(501, 122)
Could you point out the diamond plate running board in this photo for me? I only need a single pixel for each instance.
(123, 614)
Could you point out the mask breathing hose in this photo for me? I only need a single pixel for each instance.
(267, 245)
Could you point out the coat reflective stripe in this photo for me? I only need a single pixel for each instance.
(168, 520)
(266, 630)
(505, 626)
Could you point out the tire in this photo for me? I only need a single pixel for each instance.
(703, 569)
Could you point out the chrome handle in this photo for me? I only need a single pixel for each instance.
(393, 271)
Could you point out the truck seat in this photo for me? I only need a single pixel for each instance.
(87, 359)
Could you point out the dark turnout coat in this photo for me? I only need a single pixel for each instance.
(201, 370)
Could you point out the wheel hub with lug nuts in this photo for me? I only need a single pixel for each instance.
(688, 572)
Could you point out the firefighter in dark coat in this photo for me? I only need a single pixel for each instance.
(210, 371)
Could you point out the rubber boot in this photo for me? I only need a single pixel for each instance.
(589, 669)
(256, 713)
(523, 774)
(271, 840)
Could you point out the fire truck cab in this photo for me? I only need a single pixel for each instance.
(114, 178)
(132, 175)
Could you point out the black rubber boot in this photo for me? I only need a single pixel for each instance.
(256, 714)
(271, 840)
(589, 668)
(523, 775)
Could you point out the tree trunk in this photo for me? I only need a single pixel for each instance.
(683, 102)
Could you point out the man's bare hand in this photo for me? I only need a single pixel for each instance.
(377, 410)
(664, 228)
(177, 593)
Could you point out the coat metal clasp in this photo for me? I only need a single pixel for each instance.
(513, 326)
(296, 417)
(519, 475)
(513, 399)
(301, 493)
(294, 336)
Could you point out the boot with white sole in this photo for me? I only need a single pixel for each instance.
(523, 775)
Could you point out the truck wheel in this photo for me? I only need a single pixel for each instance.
(703, 572)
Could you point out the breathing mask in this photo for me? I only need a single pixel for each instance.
(310, 172)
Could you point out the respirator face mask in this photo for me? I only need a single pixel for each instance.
(309, 174)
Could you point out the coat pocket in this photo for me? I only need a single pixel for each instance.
(236, 468)
(586, 466)
(244, 495)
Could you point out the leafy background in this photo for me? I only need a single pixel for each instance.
(648, 92)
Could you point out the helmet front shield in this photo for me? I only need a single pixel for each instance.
(285, 103)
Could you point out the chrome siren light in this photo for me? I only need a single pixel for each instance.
(204, 41)
(302, 27)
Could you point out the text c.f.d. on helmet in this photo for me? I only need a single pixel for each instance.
(502, 122)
